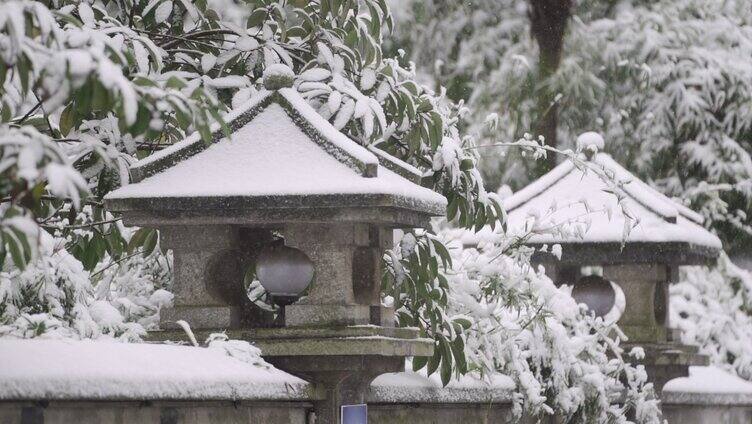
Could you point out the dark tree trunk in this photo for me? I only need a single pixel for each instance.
(548, 22)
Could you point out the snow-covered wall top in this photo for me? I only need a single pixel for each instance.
(708, 386)
(69, 369)
(65, 369)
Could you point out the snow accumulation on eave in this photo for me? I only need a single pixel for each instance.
(708, 385)
(270, 156)
(568, 195)
(69, 369)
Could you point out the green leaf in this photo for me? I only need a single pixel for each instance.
(6, 114)
(3, 73)
(137, 239)
(452, 209)
(100, 97)
(433, 363)
(419, 362)
(175, 82)
(256, 19)
(150, 243)
(3, 252)
(67, 119)
(23, 72)
(458, 350)
(443, 252)
(84, 99)
(297, 31)
(16, 254)
(446, 361)
(143, 117)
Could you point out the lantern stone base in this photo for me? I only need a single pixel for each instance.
(316, 341)
(668, 360)
(202, 317)
(312, 315)
(301, 315)
(645, 333)
(341, 362)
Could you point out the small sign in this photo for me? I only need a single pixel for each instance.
(355, 414)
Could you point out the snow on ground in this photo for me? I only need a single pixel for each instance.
(708, 385)
(68, 369)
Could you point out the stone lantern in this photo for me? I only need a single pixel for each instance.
(626, 235)
(313, 211)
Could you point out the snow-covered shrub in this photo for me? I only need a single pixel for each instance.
(713, 309)
(516, 322)
(53, 295)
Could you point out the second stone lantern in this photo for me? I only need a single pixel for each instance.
(313, 211)
(621, 245)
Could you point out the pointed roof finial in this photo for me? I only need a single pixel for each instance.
(278, 76)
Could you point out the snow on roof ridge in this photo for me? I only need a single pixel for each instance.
(652, 192)
(397, 165)
(334, 142)
(140, 169)
(538, 186)
(326, 129)
(641, 192)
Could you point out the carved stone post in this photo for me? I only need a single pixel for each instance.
(207, 272)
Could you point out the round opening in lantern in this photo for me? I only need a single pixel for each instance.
(284, 272)
(601, 296)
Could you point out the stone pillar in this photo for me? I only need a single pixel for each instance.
(639, 282)
(347, 268)
(207, 276)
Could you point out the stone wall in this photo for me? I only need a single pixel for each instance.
(182, 412)
(278, 412)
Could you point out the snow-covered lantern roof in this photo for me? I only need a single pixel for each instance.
(282, 163)
(601, 213)
(286, 172)
(593, 222)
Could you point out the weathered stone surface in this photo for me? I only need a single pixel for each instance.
(157, 412)
(639, 282)
(704, 414)
(347, 261)
(340, 380)
(442, 413)
(200, 254)
(331, 341)
(299, 315)
(202, 317)
(678, 253)
(229, 213)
